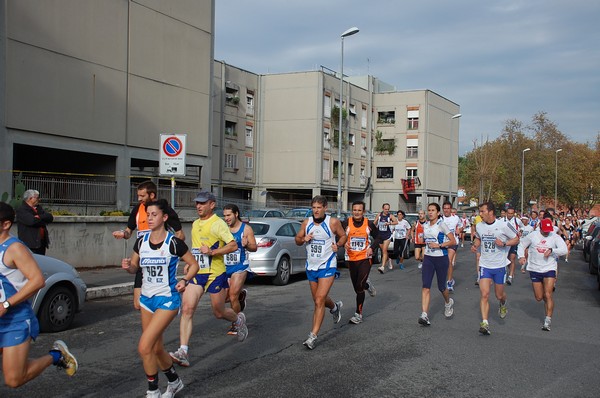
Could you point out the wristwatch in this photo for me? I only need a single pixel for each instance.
(6, 305)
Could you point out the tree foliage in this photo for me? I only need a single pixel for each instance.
(492, 170)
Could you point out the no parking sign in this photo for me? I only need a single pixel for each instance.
(172, 154)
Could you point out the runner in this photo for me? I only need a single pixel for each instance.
(476, 220)
(401, 233)
(495, 235)
(438, 238)
(319, 233)
(418, 229)
(568, 232)
(512, 251)
(237, 263)
(157, 253)
(527, 229)
(383, 222)
(453, 223)
(20, 279)
(211, 240)
(464, 224)
(359, 252)
(542, 264)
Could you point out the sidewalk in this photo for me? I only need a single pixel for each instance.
(110, 281)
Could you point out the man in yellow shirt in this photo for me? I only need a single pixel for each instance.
(211, 239)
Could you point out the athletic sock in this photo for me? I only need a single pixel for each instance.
(56, 356)
(184, 348)
(152, 382)
(171, 374)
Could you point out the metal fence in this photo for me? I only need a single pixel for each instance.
(70, 191)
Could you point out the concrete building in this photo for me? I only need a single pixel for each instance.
(88, 87)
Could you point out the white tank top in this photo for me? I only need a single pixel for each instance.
(319, 251)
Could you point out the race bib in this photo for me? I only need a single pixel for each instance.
(400, 234)
(383, 227)
(202, 259)
(233, 258)
(488, 244)
(358, 244)
(315, 248)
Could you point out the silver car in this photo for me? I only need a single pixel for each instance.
(277, 256)
(64, 294)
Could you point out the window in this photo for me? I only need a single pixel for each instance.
(386, 117)
(363, 142)
(325, 169)
(363, 121)
(249, 138)
(352, 110)
(250, 104)
(249, 162)
(327, 106)
(230, 161)
(413, 119)
(326, 137)
(351, 169)
(230, 129)
(412, 148)
(351, 139)
(232, 96)
(335, 168)
(411, 172)
(385, 172)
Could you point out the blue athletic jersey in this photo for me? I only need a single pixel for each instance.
(159, 268)
(11, 281)
(240, 256)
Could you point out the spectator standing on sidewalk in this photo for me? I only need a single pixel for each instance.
(138, 219)
(32, 223)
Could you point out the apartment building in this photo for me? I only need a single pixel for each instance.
(88, 87)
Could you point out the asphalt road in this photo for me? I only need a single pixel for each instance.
(389, 355)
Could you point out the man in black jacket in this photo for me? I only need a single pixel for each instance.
(32, 221)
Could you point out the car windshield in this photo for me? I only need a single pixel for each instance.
(259, 229)
(256, 213)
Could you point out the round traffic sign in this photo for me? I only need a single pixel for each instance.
(172, 147)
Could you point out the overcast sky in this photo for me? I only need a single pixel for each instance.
(498, 60)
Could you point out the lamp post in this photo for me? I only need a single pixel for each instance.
(451, 154)
(347, 33)
(556, 177)
(523, 176)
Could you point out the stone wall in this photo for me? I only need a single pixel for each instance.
(87, 242)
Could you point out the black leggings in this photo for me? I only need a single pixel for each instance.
(399, 245)
(359, 273)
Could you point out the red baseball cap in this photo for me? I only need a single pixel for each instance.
(546, 225)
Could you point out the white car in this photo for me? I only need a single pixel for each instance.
(56, 304)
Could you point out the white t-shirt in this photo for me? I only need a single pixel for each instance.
(436, 233)
(493, 257)
(401, 229)
(453, 222)
(538, 244)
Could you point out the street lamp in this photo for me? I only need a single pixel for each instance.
(451, 150)
(347, 33)
(556, 177)
(523, 176)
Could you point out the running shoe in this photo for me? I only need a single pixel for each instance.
(424, 320)
(502, 311)
(566, 260)
(420, 266)
(546, 325)
(450, 285)
(153, 394)
(523, 269)
(337, 313)
(401, 266)
(356, 319)
(232, 330)
(398, 261)
(180, 357)
(509, 280)
(380, 269)
(67, 361)
(310, 341)
(449, 308)
(242, 299)
(173, 388)
(390, 266)
(242, 328)
(371, 288)
(484, 328)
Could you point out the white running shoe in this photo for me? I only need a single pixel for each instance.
(310, 341)
(449, 308)
(371, 288)
(153, 394)
(180, 357)
(356, 319)
(337, 313)
(173, 388)
(242, 328)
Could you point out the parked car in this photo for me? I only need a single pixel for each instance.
(63, 296)
(590, 234)
(277, 256)
(264, 213)
(299, 213)
(593, 243)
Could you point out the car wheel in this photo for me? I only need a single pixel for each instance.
(283, 272)
(377, 256)
(586, 257)
(57, 310)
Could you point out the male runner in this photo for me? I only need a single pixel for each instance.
(453, 223)
(319, 233)
(512, 252)
(493, 236)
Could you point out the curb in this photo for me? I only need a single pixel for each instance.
(120, 289)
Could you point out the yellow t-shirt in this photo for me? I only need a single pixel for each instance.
(213, 233)
(477, 220)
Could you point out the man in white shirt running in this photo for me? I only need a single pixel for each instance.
(512, 252)
(493, 236)
(454, 224)
(544, 245)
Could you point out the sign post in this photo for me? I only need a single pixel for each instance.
(172, 158)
